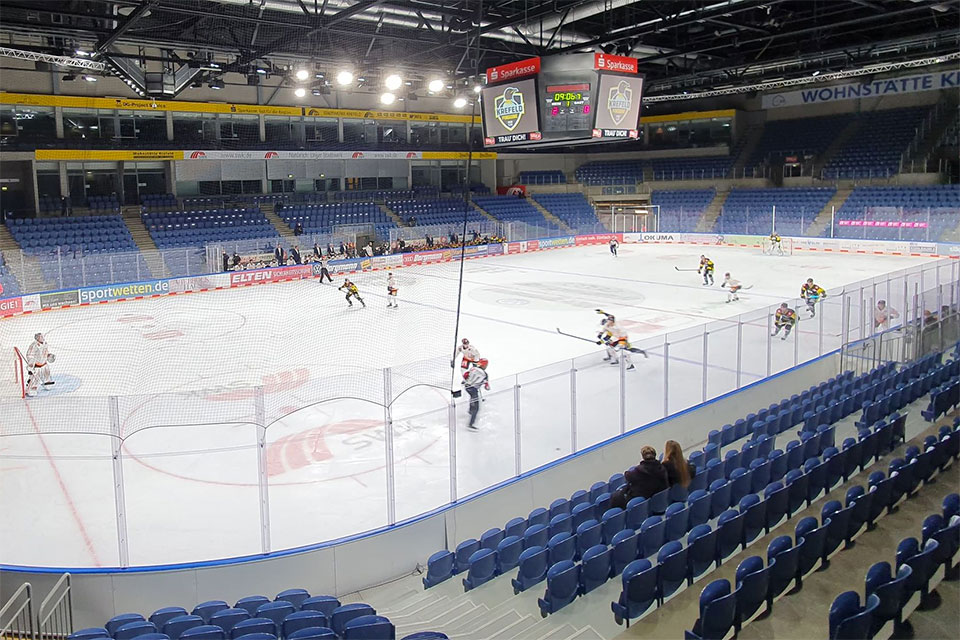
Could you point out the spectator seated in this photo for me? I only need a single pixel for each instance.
(751, 210)
(899, 213)
(681, 210)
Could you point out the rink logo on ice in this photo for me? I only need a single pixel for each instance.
(283, 381)
(115, 292)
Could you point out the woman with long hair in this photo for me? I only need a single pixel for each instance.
(679, 471)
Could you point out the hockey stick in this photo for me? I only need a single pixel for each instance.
(679, 269)
(630, 349)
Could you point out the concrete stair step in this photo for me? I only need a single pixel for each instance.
(283, 229)
(393, 215)
(421, 610)
(561, 632)
(587, 633)
(449, 615)
(492, 627)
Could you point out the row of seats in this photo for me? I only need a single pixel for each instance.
(681, 209)
(646, 585)
(799, 137)
(867, 154)
(572, 208)
(542, 177)
(511, 208)
(752, 210)
(936, 207)
(87, 234)
(697, 168)
(906, 385)
(293, 615)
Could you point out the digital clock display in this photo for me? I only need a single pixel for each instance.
(567, 96)
(567, 107)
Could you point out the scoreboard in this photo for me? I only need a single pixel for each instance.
(559, 100)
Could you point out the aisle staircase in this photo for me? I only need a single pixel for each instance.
(822, 221)
(845, 134)
(745, 147)
(270, 212)
(549, 216)
(712, 212)
(397, 220)
(148, 248)
(483, 211)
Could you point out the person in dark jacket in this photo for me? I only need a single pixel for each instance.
(652, 477)
(295, 254)
(624, 493)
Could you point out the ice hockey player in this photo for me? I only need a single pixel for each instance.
(613, 246)
(352, 292)
(474, 378)
(812, 294)
(733, 285)
(38, 359)
(470, 353)
(706, 267)
(776, 244)
(391, 291)
(786, 319)
(324, 271)
(616, 341)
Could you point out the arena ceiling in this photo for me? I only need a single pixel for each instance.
(683, 45)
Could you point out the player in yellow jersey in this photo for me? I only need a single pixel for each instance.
(776, 243)
(812, 293)
(786, 319)
(352, 292)
(706, 267)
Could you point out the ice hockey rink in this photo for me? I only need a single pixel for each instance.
(188, 379)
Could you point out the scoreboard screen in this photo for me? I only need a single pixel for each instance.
(562, 99)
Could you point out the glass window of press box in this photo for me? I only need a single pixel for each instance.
(89, 124)
(143, 126)
(424, 135)
(373, 134)
(25, 122)
(706, 132)
(320, 130)
(195, 127)
(238, 129)
(282, 128)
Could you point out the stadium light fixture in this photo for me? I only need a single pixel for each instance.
(393, 82)
(387, 98)
(460, 102)
(301, 75)
(216, 84)
(90, 78)
(300, 92)
(436, 86)
(476, 88)
(344, 77)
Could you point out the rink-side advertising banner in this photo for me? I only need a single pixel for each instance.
(936, 81)
(123, 291)
(270, 274)
(10, 306)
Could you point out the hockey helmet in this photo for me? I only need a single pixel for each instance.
(465, 341)
(482, 363)
(38, 337)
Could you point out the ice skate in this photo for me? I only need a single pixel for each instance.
(631, 368)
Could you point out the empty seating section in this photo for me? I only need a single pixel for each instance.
(876, 147)
(511, 208)
(439, 211)
(84, 234)
(196, 228)
(603, 172)
(293, 615)
(104, 203)
(578, 543)
(378, 195)
(751, 210)
(8, 282)
(322, 218)
(542, 177)
(800, 137)
(899, 213)
(691, 168)
(681, 210)
(159, 202)
(572, 208)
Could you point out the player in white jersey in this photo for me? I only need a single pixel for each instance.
(38, 359)
(733, 287)
(616, 341)
(613, 246)
(474, 378)
(469, 352)
(391, 291)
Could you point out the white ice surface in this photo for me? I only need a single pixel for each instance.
(184, 371)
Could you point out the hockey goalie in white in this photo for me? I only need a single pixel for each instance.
(38, 361)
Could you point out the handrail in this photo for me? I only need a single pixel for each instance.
(21, 622)
(56, 621)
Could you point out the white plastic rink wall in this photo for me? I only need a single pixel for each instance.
(556, 411)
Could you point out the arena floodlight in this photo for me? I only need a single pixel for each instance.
(300, 92)
(460, 102)
(301, 75)
(436, 86)
(344, 77)
(393, 82)
(387, 98)
(476, 88)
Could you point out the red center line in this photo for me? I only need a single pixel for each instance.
(87, 541)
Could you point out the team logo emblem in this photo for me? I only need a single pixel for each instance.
(508, 108)
(619, 101)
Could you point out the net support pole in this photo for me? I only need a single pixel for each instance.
(118, 492)
(706, 343)
(666, 377)
(739, 350)
(452, 447)
(623, 392)
(517, 433)
(769, 343)
(573, 406)
(388, 446)
(263, 485)
(773, 220)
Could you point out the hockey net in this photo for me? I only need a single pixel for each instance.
(770, 248)
(20, 372)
